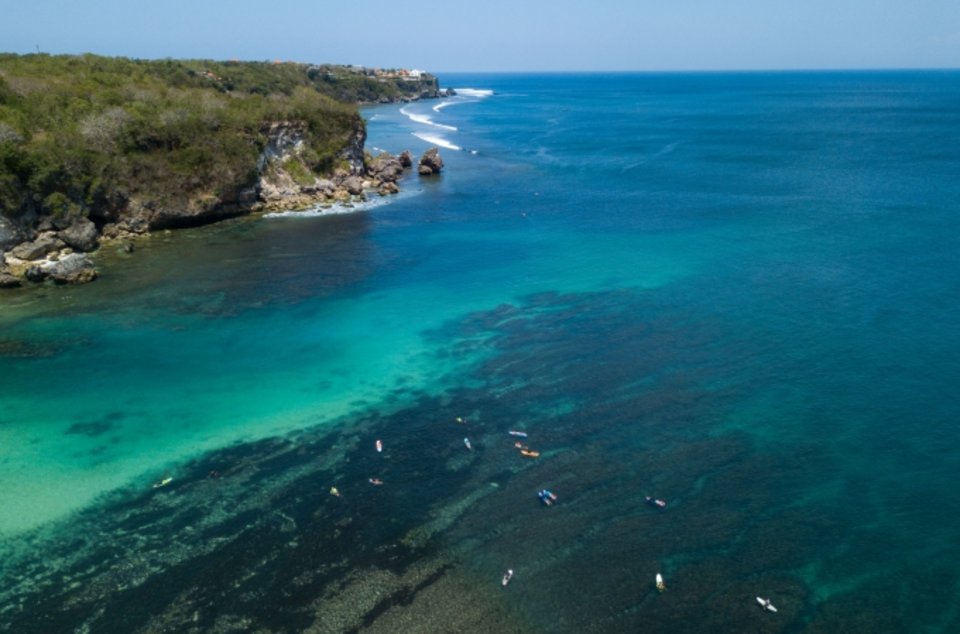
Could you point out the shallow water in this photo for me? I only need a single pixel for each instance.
(731, 291)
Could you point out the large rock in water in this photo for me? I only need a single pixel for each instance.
(75, 268)
(430, 162)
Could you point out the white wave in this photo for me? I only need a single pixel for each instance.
(436, 140)
(473, 92)
(424, 119)
(443, 104)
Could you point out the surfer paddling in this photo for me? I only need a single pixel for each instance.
(656, 502)
(661, 586)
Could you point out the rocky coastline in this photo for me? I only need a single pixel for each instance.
(62, 250)
(97, 150)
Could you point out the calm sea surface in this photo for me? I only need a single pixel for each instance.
(734, 292)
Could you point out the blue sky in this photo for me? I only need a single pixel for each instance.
(501, 35)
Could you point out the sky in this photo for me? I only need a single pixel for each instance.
(502, 35)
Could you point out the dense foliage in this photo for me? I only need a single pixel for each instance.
(79, 134)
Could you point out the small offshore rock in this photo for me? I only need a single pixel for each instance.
(430, 162)
(406, 159)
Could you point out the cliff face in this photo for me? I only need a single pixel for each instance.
(55, 248)
(287, 180)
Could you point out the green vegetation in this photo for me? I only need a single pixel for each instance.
(85, 134)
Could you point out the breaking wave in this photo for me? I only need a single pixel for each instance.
(436, 140)
(425, 120)
(473, 92)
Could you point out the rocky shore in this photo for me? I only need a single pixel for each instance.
(59, 250)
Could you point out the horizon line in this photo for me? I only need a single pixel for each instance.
(798, 69)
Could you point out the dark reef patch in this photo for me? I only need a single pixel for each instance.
(91, 429)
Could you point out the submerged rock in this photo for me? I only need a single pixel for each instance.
(388, 188)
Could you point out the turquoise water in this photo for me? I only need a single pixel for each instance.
(732, 291)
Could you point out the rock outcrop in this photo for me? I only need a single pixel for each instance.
(36, 249)
(430, 162)
(10, 234)
(75, 268)
(81, 235)
(386, 168)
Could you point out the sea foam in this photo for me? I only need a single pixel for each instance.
(474, 92)
(425, 120)
(436, 140)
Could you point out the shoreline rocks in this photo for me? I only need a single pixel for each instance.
(56, 249)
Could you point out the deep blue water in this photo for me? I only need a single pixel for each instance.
(733, 291)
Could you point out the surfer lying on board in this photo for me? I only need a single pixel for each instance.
(547, 497)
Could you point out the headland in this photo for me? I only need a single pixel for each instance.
(96, 149)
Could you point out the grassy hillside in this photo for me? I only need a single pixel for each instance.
(83, 135)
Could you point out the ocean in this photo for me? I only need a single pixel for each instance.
(735, 292)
